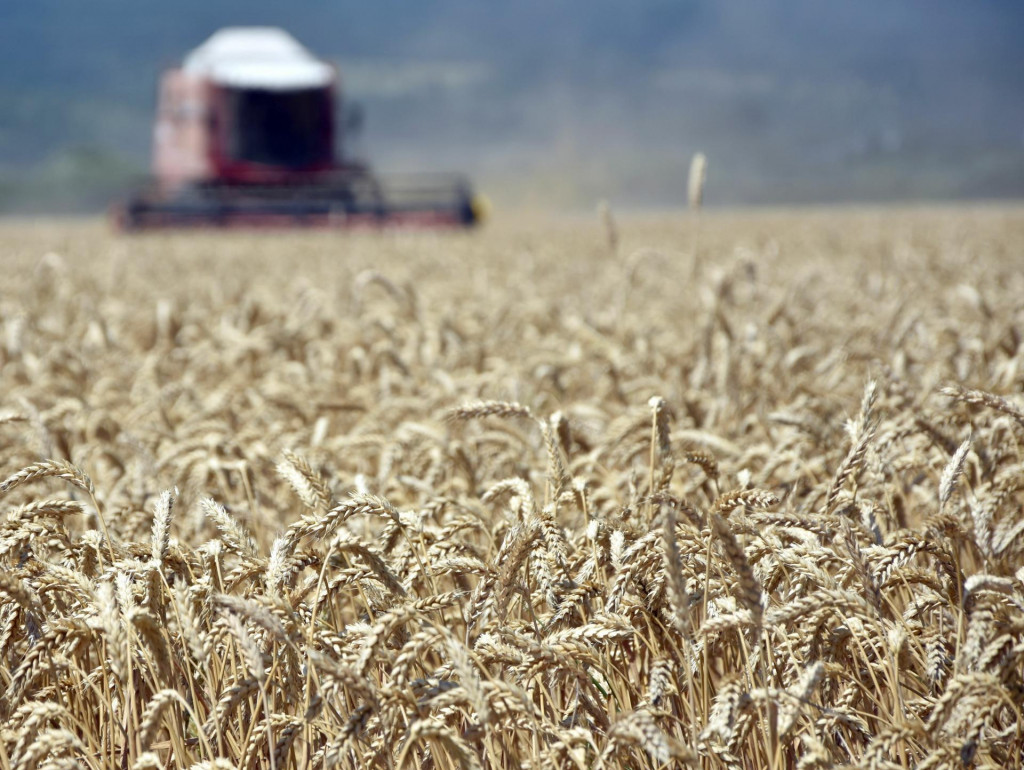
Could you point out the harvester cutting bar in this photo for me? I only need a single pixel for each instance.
(365, 202)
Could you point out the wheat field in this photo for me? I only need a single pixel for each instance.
(554, 494)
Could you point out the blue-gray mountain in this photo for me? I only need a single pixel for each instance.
(562, 102)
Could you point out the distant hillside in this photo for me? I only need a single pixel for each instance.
(793, 100)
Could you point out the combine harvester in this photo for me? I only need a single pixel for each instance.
(245, 136)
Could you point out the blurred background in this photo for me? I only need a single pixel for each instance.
(557, 103)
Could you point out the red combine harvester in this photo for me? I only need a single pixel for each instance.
(245, 136)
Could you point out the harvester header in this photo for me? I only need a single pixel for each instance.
(246, 135)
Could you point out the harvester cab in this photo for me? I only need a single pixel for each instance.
(246, 135)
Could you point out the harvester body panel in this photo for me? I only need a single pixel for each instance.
(181, 134)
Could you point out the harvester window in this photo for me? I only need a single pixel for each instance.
(280, 128)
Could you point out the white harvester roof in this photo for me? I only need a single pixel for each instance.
(257, 57)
